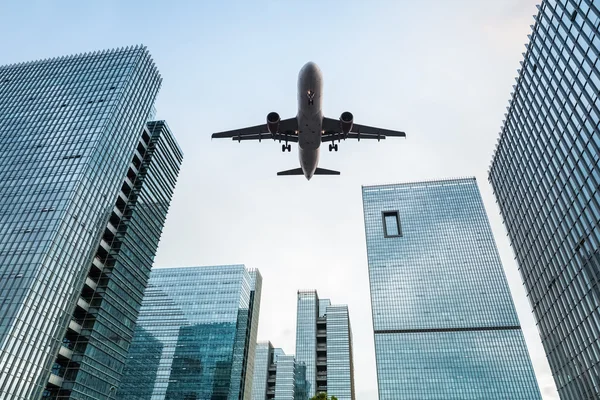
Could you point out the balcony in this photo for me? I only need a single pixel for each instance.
(90, 283)
(137, 153)
(75, 327)
(98, 264)
(83, 304)
(55, 380)
(134, 168)
(105, 245)
(65, 352)
(122, 196)
(111, 228)
(117, 212)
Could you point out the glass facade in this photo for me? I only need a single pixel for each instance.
(545, 174)
(285, 386)
(340, 368)
(276, 375)
(201, 320)
(70, 135)
(444, 322)
(324, 346)
(263, 359)
(306, 336)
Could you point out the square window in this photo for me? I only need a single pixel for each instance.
(391, 224)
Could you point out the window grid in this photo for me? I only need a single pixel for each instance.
(443, 317)
(545, 174)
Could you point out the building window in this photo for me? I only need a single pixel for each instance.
(391, 224)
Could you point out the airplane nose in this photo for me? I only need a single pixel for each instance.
(310, 68)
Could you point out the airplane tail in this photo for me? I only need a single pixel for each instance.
(323, 171)
(318, 171)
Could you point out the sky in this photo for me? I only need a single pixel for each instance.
(442, 71)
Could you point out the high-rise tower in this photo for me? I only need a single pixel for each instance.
(444, 321)
(546, 175)
(85, 184)
(324, 346)
(200, 324)
(277, 376)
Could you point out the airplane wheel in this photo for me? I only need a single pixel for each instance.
(289, 148)
(335, 147)
(283, 147)
(330, 147)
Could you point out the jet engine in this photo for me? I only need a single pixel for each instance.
(273, 122)
(346, 120)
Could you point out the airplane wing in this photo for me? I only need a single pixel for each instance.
(287, 131)
(333, 132)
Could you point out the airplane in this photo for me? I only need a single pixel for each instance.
(309, 128)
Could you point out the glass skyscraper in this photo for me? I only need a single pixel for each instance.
(85, 184)
(545, 174)
(277, 376)
(200, 325)
(444, 322)
(324, 346)
(264, 359)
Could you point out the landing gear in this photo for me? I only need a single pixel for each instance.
(333, 147)
(287, 147)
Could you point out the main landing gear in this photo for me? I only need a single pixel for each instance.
(285, 147)
(333, 147)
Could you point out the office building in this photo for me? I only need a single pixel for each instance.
(277, 376)
(201, 324)
(444, 321)
(324, 346)
(85, 184)
(545, 174)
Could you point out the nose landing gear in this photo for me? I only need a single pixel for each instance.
(287, 147)
(333, 147)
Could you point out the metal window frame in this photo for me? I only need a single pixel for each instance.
(396, 214)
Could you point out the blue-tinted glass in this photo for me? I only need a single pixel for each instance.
(444, 321)
(85, 186)
(277, 376)
(324, 346)
(391, 224)
(263, 358)
(545, 174)
(202, 322)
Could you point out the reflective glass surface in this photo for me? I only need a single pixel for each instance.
(200, 319)
(340, 368)
(306, 335)
(286, 378)
(277, 375)
(440, 301)
(69, 129)
(324, 346)
(263, 357)
(545, 174)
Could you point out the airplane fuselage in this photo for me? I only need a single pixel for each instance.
(310, 117)
(309, 128)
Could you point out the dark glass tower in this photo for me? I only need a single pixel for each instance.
(85, 184)
(205, 321)
(444, 322)
(324, 346)
(546, 174)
